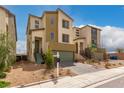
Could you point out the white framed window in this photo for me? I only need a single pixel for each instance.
(36, 24)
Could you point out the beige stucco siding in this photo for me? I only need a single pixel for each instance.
(29, 45)
(86, 32)
(32, 22)
(98, 38)
(44, 21)
(3, 20)
(12, 32)
(78, 42)
(39, 34)
(51, 27)
(62, 30)
(62, 47)
(8, 27)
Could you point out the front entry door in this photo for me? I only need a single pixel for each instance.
(81, 48)
(37, 46)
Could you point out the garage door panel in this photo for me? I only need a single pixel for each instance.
(66, 56)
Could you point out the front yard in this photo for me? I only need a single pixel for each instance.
(27, 72)
(108, 65)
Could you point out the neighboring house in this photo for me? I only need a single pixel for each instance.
(8, 27)
(53, 30)
(85, 36)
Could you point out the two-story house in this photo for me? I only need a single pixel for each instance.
(52, 30)
(85, 37)
(8, 27)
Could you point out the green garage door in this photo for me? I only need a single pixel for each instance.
(66, 56)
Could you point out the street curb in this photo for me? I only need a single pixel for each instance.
(35, 83)
(102, 80)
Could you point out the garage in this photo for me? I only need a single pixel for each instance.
(66, 57)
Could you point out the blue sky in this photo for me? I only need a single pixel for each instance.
(112, 16)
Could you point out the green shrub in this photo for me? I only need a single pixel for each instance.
(6, 56)
(91, 61)
(2, 75)
(49, 60)
(8, 69)
(120, 63)
(114, 64)
(107, 65)
(4, 84)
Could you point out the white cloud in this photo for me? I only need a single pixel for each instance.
(111, 37)
(21, 47)
(81, 26)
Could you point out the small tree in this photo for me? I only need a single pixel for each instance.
(49, 59)
(6, 56)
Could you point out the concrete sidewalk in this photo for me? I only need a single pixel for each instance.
(83, 80)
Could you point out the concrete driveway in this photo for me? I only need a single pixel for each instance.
(80, 68)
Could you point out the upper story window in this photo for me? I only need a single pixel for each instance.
(77, 32)
(65, 24)
(94, 36)
(52, 36)
(94, 31)
(52, 18)
(65, 38)
(36, 24)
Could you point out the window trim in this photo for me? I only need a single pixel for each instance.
(37, 24)
(63, 38)
(92, 37)
(64, 25)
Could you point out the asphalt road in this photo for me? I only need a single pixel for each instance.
(118, 83)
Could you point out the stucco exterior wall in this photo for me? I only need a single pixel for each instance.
(29, 46)
(12, 32)
(32, 22)
(99, 38)
(3, 20)
(78, 42)
(31, 34)
(86, 32)
(62, 30)
(52, 28)
(8, 27)
(39, 34)
(75, 30)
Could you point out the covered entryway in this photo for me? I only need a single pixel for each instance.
(38, 44)
(38, 50)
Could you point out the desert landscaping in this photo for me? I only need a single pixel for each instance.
(27, 72)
